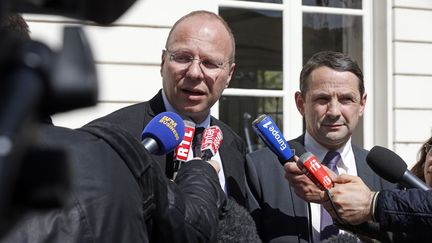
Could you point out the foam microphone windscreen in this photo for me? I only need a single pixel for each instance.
(386, 164)
(167, 128)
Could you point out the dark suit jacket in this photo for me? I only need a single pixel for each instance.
(280, 215)
(232, 151)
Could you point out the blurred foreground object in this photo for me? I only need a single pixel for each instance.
(37, 82)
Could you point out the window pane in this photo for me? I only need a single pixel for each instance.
(258, 35)
(234, 110)
(334, 3)
(340, 33)
(332, 32)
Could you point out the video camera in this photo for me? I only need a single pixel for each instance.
(37, 82)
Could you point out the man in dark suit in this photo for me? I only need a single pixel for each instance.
(331, 100)
(197, 65)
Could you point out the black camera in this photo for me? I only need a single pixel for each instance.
(37, 82)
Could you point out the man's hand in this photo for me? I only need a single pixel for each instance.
(352, 199)
(215, 165)
(303, 186)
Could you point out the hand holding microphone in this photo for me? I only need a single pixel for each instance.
(208, 146)
(351, 198)
(308, 164)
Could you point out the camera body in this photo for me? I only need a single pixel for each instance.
(38, 82)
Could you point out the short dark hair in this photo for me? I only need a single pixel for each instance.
(334, 60)
(15, 23)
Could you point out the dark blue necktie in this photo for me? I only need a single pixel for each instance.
(327, 227)
(196, 141)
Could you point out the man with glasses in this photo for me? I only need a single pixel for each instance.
(197, 65)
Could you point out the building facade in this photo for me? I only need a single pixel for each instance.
(390, 39)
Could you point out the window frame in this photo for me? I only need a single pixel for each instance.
(292, 12)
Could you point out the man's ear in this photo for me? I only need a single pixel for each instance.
(363, 104)
(299, 102)
(162, 61)
(230, 74)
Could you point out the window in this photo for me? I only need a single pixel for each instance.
(268, 66)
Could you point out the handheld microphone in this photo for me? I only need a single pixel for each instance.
(393, 168)
(267, 130)
(163, 133)
(181, 152)
(313, 169)
(211, 141)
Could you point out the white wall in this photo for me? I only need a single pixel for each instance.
(127, 54)
(127, 57)
(412, 76)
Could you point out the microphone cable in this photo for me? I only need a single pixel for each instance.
(356, 230)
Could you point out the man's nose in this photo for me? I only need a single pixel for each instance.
(333, 108)
(195, 69)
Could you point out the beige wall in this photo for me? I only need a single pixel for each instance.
(412, 75)
(127, 54)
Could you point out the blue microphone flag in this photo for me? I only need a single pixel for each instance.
(167, 128)
(267, 130)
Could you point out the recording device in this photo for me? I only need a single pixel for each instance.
(163, 133)
(100, 11)
(393, 168)
(182, 150)
(37, 82)
(211, 141)
(267, 130)
(313, 169)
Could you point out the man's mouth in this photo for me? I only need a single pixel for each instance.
(193, 92)
(332, 125)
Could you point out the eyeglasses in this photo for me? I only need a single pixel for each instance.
(427, 148)
(208, 65)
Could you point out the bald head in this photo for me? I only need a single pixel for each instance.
(204, 17)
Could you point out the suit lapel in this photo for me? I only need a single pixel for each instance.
(233, 164)
(363, 169)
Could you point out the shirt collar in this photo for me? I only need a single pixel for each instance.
(169, 107)
(320, 151)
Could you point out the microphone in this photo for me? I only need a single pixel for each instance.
(313, 169)
(163, 133)
(393, 168)
(267, 130)
(181, 152)
(211, 141)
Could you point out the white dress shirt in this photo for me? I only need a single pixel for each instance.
(345, 166)
(204, 124)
